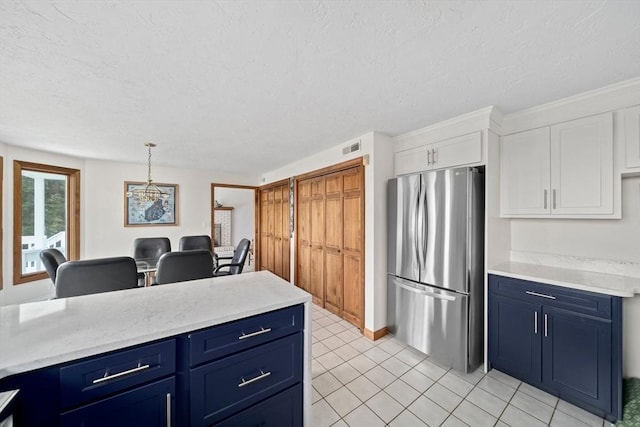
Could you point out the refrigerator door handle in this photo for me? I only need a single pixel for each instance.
(421, 241)
(426, 293)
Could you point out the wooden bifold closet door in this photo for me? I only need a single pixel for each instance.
(330, 236)
(275, 240)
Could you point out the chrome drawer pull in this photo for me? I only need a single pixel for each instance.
(253, 334)
(120, 374)
(259, 377)
(536, 294)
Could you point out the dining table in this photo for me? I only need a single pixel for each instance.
(148, 267)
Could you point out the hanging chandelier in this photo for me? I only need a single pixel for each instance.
(150, 192)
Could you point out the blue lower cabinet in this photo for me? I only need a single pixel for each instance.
(149, 405)
(577, 356)
(563, 341)
(229, 385)
(281, 410)
(514, 337)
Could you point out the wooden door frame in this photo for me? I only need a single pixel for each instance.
(255, 211)
(338, 167)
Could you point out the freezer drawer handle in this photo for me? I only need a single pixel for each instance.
(253, 334)
(259, 377)
(426, 293)
(536, 294)
(120, 374)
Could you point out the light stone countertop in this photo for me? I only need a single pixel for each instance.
(46, 333)
(610, 284)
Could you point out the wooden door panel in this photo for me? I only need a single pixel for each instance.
(317, 187)
(352, 181)
(333, 230)
(316, 276)
(334, 185)
(277, 256)
(333, 288)
(352, 223)
(317, 222)
(277, 218)
(304, 189)
(353, 293)
(304, 221)
(304, 267)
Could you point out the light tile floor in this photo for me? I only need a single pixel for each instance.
(358, 382)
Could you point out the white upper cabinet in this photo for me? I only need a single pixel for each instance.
(526, 178)
(632, 136)
(564, 170)
(458, 151)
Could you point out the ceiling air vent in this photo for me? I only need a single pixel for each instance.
(351, 148)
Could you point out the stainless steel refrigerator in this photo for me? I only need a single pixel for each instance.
(436, 263)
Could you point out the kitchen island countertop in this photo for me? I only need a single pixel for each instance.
(46, 333)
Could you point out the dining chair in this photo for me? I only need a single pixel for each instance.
(237, 261)
(149, 248)
(183, 266)
(188, 243)
(94, 276)
(51, 259)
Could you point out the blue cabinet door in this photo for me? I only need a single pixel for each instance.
(150, 405)
(577, 356)
(515, 337)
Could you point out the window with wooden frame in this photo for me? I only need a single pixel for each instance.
(46, 214)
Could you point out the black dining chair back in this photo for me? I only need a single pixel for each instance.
(182, 266)
(94, 276)
(51, 259)
(150, 247)
(237, 262)
(188, 243)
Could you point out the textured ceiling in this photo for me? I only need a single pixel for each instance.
(249, 86)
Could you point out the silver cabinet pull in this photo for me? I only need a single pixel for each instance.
(545, 198)
(428, 157)
(535, 322)
(168, 401)
(253, 334)
(433, 156)
(545, 325)
(120, 374)
(254, 379)
(536, 294)
(554, 198)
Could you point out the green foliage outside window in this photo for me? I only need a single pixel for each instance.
(54, 205)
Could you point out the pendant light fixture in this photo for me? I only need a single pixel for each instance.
(150, 192)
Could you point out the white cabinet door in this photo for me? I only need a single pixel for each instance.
(411, 161)
(459, 151)
(525, 173)
(582, 166)
(632, 136)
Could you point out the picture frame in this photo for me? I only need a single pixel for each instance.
(145, 214)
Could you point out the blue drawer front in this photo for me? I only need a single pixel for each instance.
(83, 381)
(232, 337)
(282, 410)
(148, 405)
(224, 387)
(591, 303)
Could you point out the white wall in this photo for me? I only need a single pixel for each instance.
(380, 151)
(103, 233)
(242, 216)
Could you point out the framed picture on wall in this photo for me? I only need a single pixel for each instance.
(143, 213)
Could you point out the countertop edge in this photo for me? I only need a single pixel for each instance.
(506, 269)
